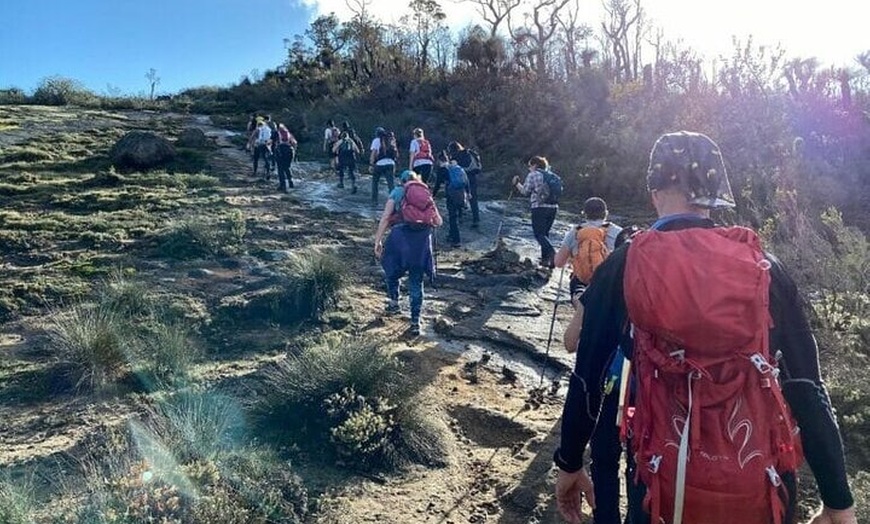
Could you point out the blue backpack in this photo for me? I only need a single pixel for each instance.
(456, 178)
(552, 190)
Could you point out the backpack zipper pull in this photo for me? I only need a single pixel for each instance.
(762, 365)
(774, 477)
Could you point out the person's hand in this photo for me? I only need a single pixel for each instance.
(834, 516)
(379, 249)
(570, 490)
(516, 180)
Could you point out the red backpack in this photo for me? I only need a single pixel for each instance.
(711, 432)
(418, 207)
(424, 150)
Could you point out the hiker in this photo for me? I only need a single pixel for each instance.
(261, 137)
(585, 246)
(410, 213)
(456, 187)
(285, 152)
(701, 311)
(469, 160)
(346, 151)
(351, 132)
(252, 134)
(330, 137)
(271, 163)
(543, 204)
(420, 158)
(382, 160)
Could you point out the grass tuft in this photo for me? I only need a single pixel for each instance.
(95, 342)
(315, 280)
(351, 396)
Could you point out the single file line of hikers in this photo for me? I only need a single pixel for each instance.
(693, 353)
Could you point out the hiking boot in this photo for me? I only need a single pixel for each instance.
(475, 225)
(455, 245)
(341, 184)
(353, 189)
(289, 183)
(392, 308)
(414, 328)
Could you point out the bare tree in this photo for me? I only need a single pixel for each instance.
(494, 12)
(536, 36)
(359, 8)
(622, 15)
(573, 32)
(153, 80)
(426, 18)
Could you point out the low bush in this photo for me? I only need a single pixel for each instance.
(170, 352)
(349, 395)
(15, 507)
(315, 279)
(194, 238)
(95, 343)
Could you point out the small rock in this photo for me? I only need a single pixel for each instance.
(509, 374)
(443, 326)
(194, 138)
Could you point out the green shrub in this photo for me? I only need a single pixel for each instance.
(202, 238)
(95, 342)
(61, 91)
(351, 395)
(171, 352)
(15, 506)
(315, 280)
(130, 298)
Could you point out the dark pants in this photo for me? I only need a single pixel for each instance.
(387, 173)
(284, 159)
(472, 200)
(262, 151)
(542, 222)
(415, 290)
(425, 172)
(606, 450)
(455, 205)
(348, 167)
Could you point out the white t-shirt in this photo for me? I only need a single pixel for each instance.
(264, 134)
(570, 239)
(376, 147)
(414, 149)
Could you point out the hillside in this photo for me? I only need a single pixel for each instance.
(192, 281)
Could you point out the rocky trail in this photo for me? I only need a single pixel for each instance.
(479, 361)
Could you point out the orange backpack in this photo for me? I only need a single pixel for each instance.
(591, 251)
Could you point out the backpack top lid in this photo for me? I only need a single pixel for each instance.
(455, 177)
(693, 163)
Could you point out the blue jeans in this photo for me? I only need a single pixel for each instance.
(542, 222)
(415, 290)
(382, 171)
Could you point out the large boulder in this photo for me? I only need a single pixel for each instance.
(194, 138)
(141, 150)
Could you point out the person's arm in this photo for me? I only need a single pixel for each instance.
(412, 149)
(572, 333)
(602, 327)
(564, 252)
(326, 135)
(439, 179)
(373, 153)
(804, 391)
(438, 219)
(335, 147)
(382, 227)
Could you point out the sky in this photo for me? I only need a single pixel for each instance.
(110, 45)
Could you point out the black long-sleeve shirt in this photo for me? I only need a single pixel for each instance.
(604, 321)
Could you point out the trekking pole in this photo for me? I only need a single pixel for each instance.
(552, 323)
(501, 223)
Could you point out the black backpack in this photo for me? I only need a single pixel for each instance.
(388, 147)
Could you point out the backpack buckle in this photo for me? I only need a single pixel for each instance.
(774, 477)
(762, 365)
(654, 463)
